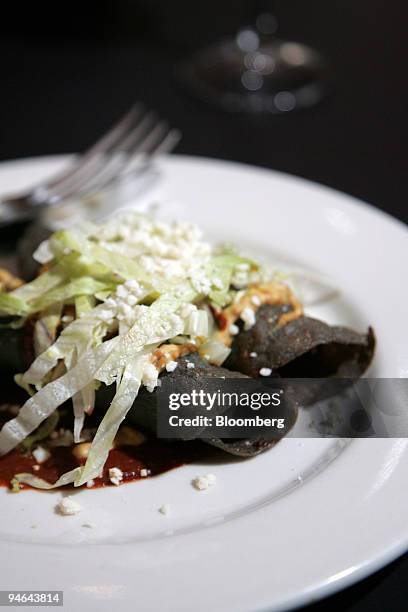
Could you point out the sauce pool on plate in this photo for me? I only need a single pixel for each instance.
(150, 458)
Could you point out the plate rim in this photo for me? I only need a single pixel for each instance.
(364, 569)
(195, 158)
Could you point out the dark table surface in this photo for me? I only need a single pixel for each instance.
(63, 81)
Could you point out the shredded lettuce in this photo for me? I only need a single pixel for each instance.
(83, 402)
(69, 291)
(221, 268)
(129, 280)
(13, 305)
(84, 304)
(197, 324)
(41, 405)
(40, 483)
(117, 411)
(125, 267)
(42, 284)
(62, 283)
(45, 328)
(81, 334)
(216, 352)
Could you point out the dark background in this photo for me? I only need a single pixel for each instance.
(68, 70)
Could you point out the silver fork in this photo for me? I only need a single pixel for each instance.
(128, 148)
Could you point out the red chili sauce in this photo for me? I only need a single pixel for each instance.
(155, 456)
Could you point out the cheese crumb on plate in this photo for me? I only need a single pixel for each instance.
(165, 509)
(41, 454)
(68, 506)
(115, 476)
(201, 483)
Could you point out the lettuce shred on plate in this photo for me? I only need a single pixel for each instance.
(131, 285)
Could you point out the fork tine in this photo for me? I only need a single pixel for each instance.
(101, 158)
(161, 139)
(166, 144)
(138, 134)
(120, 128)
(112, 164)
(151, 139)
(144, 146)
(169, 142)
(104, 144)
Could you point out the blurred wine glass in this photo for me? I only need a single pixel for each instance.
(257, 72)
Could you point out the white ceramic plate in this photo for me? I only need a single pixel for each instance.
(261, 538)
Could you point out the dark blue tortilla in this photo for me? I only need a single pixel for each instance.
(303, 348)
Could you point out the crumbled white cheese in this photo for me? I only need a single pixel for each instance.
(150, 375)
(171, 366)
(36, 468)
(68, 506)
(165, 509)
(41, 454)
(122, 292)
(90, 484)
(133, 285)
(190, 365)
(240, 280)
(248, 317)
(201, 282)
(105, 315)
(201, 483)
(242, 267)
(265, 371)
(256, 300)
(125, 312)
(144, 472)
(233, 329)
(123, 304)
(253, 354)
(115, 476)
(110, 301)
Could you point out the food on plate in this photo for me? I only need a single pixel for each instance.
(301, 348)
(114, 309)
(185, 378)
